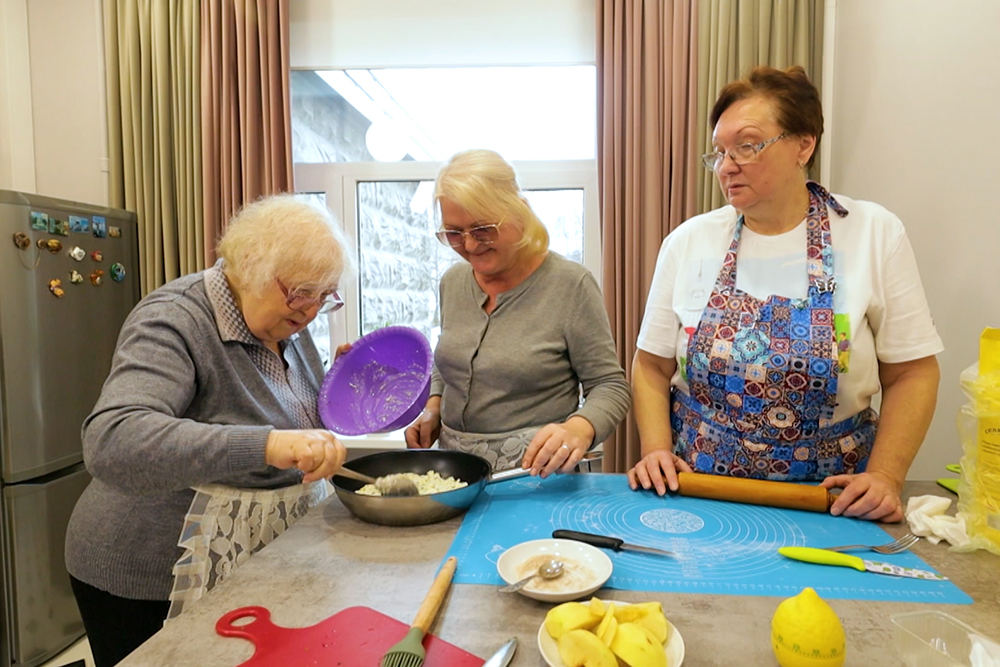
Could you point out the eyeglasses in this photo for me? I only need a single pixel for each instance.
(742, 154)
(328, 302)
(486, 234)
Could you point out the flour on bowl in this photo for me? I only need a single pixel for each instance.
(575, 576)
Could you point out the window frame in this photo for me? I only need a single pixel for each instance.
(338, 182)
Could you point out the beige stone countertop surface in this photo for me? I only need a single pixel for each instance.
(330, 561)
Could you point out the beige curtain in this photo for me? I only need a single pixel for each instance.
(734, 36)
(646, 162)
(154, 131)
(246, 114)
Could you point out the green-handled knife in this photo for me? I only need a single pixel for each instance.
(824, 557)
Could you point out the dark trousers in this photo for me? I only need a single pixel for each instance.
(116, 626)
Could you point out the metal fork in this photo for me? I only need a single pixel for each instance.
(894, 547)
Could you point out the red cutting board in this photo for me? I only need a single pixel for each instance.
(353, 637)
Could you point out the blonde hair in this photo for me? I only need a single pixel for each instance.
(281, 237)
(485, 185)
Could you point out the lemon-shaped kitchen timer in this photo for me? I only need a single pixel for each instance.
(805, 632)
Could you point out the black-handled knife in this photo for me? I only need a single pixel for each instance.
(606, 542)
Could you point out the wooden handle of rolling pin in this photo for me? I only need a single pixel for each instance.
(756, 491)
(429, 608)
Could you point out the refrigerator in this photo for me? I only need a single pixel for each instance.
(68, 279)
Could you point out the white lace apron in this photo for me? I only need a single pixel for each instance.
(502, 450)
(224, 526)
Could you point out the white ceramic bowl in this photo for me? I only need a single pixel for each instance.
(586, 568)
(673, 647)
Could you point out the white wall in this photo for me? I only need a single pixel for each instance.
(67, 95)
(916, 102)
(53, 133)
(17, 149)
(441, 33)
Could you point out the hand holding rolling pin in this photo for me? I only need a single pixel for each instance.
(873, 496)
(657, 470)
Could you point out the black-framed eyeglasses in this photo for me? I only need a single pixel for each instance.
(486, 234)
(328, 302)
(742, 154)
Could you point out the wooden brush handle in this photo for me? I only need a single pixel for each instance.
(429, 608)
(756, 491)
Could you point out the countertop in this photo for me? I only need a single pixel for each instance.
(330, 561)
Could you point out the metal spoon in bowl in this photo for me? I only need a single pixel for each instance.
(387, 485)
(549, 569)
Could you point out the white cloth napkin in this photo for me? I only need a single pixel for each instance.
(926, 516)
(984, 653)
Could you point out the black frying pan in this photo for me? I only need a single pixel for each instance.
(418, 510)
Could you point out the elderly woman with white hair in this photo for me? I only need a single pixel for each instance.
(206, 430)
(524, 333)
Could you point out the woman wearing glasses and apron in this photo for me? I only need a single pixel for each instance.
(771, 322)
(526, 372)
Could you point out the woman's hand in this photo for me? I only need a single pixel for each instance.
(422, 433)
(558, 447)
(315, 452)
(873, 496)
(657, 470)
(341, 349)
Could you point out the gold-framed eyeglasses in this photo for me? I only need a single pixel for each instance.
(328, 302)
(486, 234)
(742, 154)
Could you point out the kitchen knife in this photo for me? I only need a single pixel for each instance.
(504, 654)
(824, 557)
(606, 542)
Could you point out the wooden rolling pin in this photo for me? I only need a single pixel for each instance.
(756, 491)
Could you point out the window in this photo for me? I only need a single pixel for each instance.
(370, 143)
(422, 114)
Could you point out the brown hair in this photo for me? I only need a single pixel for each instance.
(796, 101)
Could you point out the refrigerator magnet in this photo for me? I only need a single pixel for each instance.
(78, 224)
(97, 256)
(97, 277)
(75, 277)
(59, 227)
(100, 227)
(78, 253)
(40, 221)
(22, 241)
(55, 286)
(52, 245)
(118, 272)
(114, 232)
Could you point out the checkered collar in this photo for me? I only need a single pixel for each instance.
(228, 316)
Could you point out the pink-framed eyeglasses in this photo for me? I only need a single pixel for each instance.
(328, 302)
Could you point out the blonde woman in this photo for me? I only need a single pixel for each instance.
(207, 422)
(523, 332)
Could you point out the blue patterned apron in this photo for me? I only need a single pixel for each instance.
(763, 376)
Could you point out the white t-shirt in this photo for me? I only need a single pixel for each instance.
(879, 297)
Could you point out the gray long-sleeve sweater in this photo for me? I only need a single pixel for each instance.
(183, 405)
(523, 364)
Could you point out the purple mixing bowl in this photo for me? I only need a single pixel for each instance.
(381, 385)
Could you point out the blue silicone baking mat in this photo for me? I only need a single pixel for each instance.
(723, 548)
